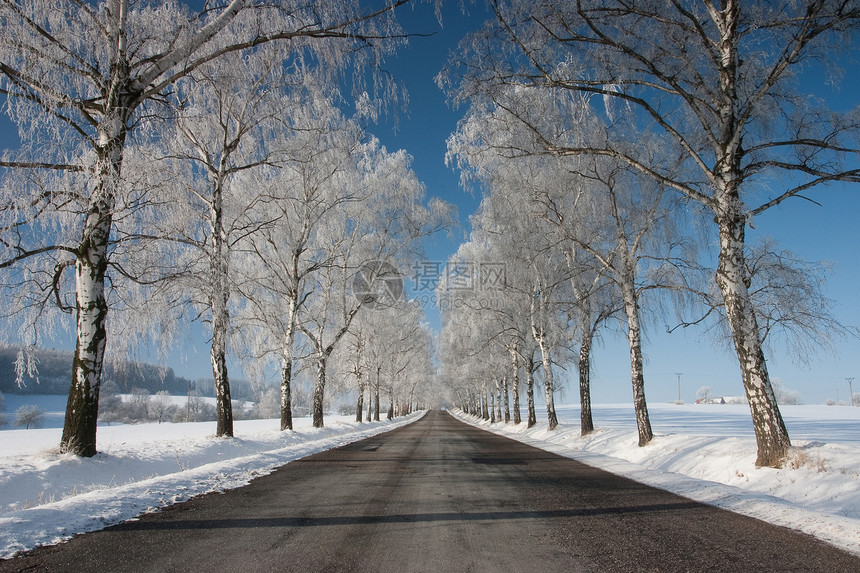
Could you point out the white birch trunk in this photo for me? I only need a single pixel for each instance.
(319, 389)
(538, 322)
(492, 405)
(359, 405)
(515, 382)
(506, 388)
(287, 366)
(549, 385)
(370, 401)
(376, 402)
(586, 422)
(530, 390)
(219, 269)
(772, 438)
(634, 340)
(286, 388)
(79, 427)
(485, 414)
(732, 272)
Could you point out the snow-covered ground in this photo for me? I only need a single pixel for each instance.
(46, 497)
(707, 453)
(703, 452)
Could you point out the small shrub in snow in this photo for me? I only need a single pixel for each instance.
(800, 458)
(160, 408)
(29, 416)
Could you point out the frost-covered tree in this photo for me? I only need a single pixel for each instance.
(372, 240)
(470, 347)
(29, 416)
(525, 190)
(503, 294)
(81, 80)
(389, 354)
(161, 407)
(314, 180)
(720, 89)
(222, 113)
(624, 223)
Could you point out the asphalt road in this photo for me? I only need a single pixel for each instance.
(439, 495)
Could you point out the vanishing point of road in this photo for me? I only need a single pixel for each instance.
(441, 496)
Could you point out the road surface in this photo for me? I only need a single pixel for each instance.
(439, 495)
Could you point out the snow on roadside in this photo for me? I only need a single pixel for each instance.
(46, 497)
(817, 492)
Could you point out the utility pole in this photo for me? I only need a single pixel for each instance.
(850, 390)
(678, 374)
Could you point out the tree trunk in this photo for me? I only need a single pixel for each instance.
(319, 390)
(549, 385)
(82, 407)
(369, 416)
(287, 394)
(376, 402)
(732, 275)
(485, 414)
(223, 402)
(287, 368)
(359, 406)
(79, 429)
(507, 401)
(530, 391)
(515, 374)
(772, 438)
(492, 406)
(634, 339)
(586, 423)
(219, 269)
(391, 403)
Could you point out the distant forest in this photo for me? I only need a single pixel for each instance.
(55, 370)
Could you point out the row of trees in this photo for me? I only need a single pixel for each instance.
(180, 165)
(612, 138)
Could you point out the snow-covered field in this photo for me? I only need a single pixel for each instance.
(703, 452)
(46, 497)
(707, 453)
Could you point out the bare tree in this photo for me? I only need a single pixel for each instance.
(89, 75)
(718, 89)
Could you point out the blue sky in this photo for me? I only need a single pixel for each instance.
(826, 233)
